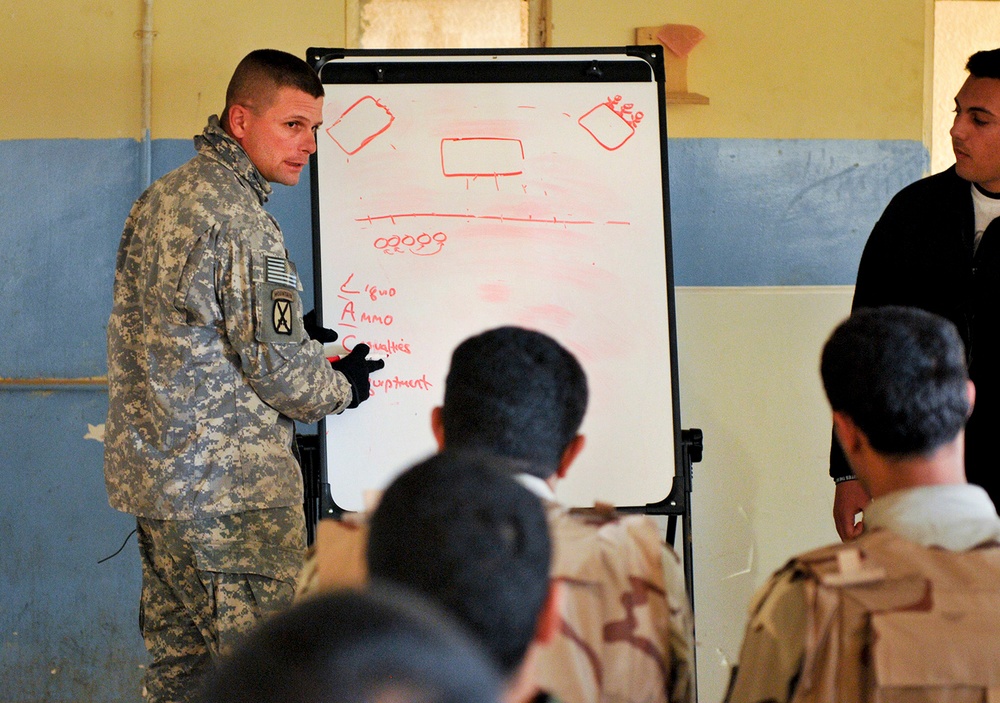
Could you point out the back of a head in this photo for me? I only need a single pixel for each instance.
(464, 533)
(900, 375)
(516, 393)
(984, 64)
(262, 72)
(379, 646)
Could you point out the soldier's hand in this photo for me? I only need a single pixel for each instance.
(357, 368)
(323, 335)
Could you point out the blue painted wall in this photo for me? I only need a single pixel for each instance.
(774, 212)
(744, 213)
(68, 625)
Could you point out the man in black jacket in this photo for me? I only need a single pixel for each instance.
(935, 248)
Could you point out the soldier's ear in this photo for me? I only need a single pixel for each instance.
(570, 453)
(849, 435)
(437, 427)
(236, 123)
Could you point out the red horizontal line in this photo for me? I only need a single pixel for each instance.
(498, 218)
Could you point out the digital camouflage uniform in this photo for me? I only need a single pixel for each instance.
(208, 366)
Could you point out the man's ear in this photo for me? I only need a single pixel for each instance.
(549, 620)
(569, 454)
(437, 427)
(236, 122)
(848, 433)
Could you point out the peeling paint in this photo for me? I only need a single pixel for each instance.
(95, 432)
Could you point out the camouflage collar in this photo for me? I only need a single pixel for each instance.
(215, 143)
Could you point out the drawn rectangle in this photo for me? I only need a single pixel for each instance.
(607, 127)
(482, 156)
(359, 124)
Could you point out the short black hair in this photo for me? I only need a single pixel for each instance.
(900, 374)
(262, 72)
(460, 530)
(984, 64)
(516, 393)
(379, 646)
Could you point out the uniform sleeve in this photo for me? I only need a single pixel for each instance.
(262, 315)
(872, 288)
(774, 643)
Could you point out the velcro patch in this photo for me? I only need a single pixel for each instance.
(280, 271)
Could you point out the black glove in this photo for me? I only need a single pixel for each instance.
(323, 335)
(356, 367)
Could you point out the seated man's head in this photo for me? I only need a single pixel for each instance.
(462, 532)
(899, 376)
(515, 393)
(380, 646)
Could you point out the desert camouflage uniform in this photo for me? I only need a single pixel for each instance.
(885, 617)
(627, 632)
(208, 366)
(336, 558)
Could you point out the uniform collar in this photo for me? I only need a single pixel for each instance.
(955, 517)
(538, 486)
(215, 143)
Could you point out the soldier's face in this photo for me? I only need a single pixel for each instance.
(280, 138)
(975, 134)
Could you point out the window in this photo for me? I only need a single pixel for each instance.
(961, 28)
(445, 24)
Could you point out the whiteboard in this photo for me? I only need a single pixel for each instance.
(461, 191)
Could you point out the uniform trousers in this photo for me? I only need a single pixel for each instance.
(206, 582)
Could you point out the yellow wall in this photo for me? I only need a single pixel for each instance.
(785, 69)
(69, 69)
(74, 70)
(789, 69)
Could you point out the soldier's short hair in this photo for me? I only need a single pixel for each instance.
(463, 532)
(900, 374)
(984, 64)
(262, 72)
(379, 646)
(516, 393)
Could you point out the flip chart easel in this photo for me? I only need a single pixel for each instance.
(455, 191)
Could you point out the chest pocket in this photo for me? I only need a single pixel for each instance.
(277, 305)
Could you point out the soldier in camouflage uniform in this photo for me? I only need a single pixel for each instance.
(908, 611)
(208, 367)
